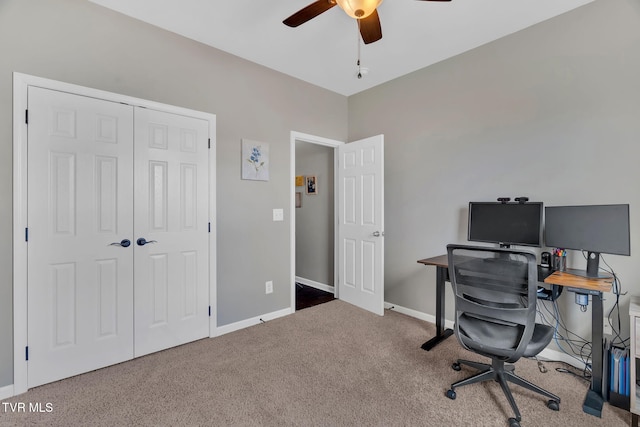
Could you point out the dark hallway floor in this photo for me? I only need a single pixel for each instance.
(306, 296)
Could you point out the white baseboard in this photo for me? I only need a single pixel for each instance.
(555, 355)
(232, 327)
(314, 284)
(6, 392)
(546, 354)
(417, 314)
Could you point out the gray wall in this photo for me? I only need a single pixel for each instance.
(551, 112)
(79, 42)
(315, 219)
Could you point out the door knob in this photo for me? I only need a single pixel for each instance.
(124, 243)
(377, 234)
(142, 241)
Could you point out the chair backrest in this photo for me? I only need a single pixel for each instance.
(495, 298)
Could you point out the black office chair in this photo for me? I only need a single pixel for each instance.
(495, 301)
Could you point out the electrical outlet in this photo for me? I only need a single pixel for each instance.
(268, 287)
(606, 327)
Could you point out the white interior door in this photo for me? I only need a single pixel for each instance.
(361, 223)
(80, 292)
(171, 214)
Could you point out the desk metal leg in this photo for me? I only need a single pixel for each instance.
(441, 332)
(593, 401)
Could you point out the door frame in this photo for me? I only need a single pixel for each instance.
(312, 139)
(21, 83)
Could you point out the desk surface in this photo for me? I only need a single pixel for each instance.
(562, 278)
(565, 278)
(438, 261)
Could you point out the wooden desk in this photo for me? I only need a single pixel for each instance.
(441, 262)
(595, 287)
(578, 282)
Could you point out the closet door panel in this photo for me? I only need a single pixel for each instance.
(171, 215)
(80, 293)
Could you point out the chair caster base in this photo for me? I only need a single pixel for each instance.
(513, 422)
(456, 366)
(553, 405)
(451, 394)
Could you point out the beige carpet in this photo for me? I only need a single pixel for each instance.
(329, 365)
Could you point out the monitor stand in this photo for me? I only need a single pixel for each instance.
(593, 268)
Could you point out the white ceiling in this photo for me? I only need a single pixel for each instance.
(324, 50)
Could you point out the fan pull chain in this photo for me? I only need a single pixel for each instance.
(358, 63)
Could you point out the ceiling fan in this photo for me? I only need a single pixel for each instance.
(364, 11)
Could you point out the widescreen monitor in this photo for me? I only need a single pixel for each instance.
(505, 223)
(596, 229)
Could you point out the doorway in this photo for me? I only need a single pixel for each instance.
(313, 223)
(358, 219)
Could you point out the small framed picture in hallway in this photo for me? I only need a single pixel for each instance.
(312, 184)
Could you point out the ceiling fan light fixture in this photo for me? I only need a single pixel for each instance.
(358, 9)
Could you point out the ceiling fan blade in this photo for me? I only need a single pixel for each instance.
(307, 13)
(370, 29)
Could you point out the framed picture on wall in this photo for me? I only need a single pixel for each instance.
(312, 184)
(298, 199)
(255, 160)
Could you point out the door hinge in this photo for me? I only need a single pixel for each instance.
(209, 227)
(209, 143)
(209, 311)
(26, 353)
(26, 116)
(26, 234)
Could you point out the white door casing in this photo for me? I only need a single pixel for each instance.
(80, 292)
(361, 223)
(172, 271)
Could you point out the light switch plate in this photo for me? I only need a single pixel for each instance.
(278, 214)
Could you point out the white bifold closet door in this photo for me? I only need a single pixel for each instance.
(171, 212)
(101, 176)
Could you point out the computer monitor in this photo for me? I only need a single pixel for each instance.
(596, 229)
(505, 223)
